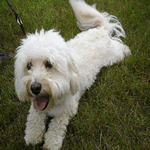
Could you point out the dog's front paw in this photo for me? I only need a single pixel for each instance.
(52, 141)
(51, 146)
(33, 137)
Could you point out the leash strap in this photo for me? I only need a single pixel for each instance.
(17, 18)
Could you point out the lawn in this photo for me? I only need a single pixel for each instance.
(115, 112)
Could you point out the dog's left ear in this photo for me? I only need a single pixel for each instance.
(74, 82)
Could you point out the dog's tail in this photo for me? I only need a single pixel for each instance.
(89, 17)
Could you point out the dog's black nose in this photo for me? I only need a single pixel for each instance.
(36, 88)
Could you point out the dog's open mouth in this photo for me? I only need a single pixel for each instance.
(41, 102)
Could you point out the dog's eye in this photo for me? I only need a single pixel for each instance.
(48, 65)
(29, 65)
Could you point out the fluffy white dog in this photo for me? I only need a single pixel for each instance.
(54, 74)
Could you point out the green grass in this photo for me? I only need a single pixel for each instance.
(115, 112)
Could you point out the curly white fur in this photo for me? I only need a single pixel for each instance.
(54, 74)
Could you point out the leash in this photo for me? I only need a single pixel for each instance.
(17, 18)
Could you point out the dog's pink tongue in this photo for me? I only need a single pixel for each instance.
(41, 102)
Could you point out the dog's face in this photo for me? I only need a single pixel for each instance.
(44, 70)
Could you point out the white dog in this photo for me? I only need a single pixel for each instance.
(54, 74)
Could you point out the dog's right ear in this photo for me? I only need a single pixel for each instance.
(20, 82)
(74, 83)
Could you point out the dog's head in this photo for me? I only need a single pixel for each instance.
(44, 69)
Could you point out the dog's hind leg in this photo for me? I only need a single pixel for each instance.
(35, 127)
(101, 44)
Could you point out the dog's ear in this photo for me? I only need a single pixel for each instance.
(74, 82)
(20, 82)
